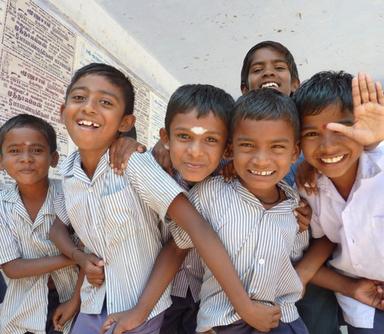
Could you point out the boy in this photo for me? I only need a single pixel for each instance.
(38, 277)
(342, 209)
(253, 214)
(115, 217)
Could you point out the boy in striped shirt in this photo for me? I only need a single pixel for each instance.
(118, 217)
(39, 278)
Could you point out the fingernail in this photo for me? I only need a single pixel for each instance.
(111, 164)
(295, 213)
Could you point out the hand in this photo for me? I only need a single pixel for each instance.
(161, 154)
(369, 292)
(306, 178)
(93, 267)
(65, 312)
(368, 108)
(228, 171)
(262, 317)
(120, 152)
(303, 215)
(124, 321)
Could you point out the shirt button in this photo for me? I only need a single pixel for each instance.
(90, 189)
(188, 266)
(261, 261)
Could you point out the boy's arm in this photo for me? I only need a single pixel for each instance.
(368, 107)
(165, 268)
(90, 263)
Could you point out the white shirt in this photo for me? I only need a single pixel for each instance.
(356, 226)
(118, 219)
(26, 300)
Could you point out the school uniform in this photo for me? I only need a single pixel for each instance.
(26, 304)
(180, 317)
(118, 219)
(356, 225)
(256, 240)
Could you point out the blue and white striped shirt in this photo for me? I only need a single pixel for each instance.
(118, 219)
(26, 300)
(261, 243)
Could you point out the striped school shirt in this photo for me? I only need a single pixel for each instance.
(118, 219)
(190, 274)
(261, 243)
(26, 299)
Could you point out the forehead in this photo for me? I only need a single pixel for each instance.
(264, 130)
(332, 113)
(190, 119)
(98, 83)
(25, 136)
(267, 54)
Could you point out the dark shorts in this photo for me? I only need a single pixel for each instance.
(91, 324)
(319, 310)
(240, 327)
(180, 317)
(378, 326)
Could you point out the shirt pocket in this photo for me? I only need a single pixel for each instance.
(121, 218)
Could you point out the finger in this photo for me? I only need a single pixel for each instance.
(107, 325)
(356, 98)
(343, 129)
(141, 148)
(363, 88)
(112, 155)
(118, 329)
(371, 89)
(379, 92)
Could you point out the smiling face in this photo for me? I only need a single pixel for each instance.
(332, 153)
(94, 113)
(196, 145)
(26, 156)
(263, 151)
(270, 69)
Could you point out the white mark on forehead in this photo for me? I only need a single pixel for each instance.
(198, 130)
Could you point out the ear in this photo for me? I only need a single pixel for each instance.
(296, 152)
(1, 163)
(294, 85)
(54, 159)
(244, 88)
(62, 107)
(127, 123)
(164, 138)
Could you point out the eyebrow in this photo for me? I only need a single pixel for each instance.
(99, 91)
(342, 121)
(273, 61)
(189, 129)
(274, 141)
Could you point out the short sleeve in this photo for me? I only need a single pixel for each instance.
(9, 249)
(59, 206)
(301, 243)
(154, 186)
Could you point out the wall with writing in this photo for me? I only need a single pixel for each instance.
(41, 46)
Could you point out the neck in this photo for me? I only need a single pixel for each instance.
(33, 196)
(344, 183)
(268, 197)
(90, 160)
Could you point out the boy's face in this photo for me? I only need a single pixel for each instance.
(263, 152)
(332, 153)
(26, 156)
(196, 145)
(94, 112)
(269, 69)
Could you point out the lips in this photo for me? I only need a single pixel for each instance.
(269, 84)
(261, 173)
(192, 165)
(333, 159)
(88, 124)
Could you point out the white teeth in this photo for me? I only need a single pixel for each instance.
(270, 85)
(262, 173)
(88, 123)
(332, 160)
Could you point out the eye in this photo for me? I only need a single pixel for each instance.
(278, 146)
(310, 134)
(211, 139)
(106, 102)
(77, 98)
(246, 145)
(13, 150)
(37, 150)
(183, 136)
(257, 70)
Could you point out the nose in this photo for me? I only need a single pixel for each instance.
(269, 70)
(26, 156)
(194, 149)
(328, 140)
(89, 106)
(260, 158)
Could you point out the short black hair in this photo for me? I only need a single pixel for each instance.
(266, 104)
(113, 75)
(269, 45)
(204, 98)
(323, 89)
(30, 121)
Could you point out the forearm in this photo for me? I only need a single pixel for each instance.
(164, 270)
(211, 249)
(60, 236)
(79, 283)
(316, 255)
(21, 268)
(331, 280)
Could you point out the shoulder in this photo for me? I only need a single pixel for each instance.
(66, 167)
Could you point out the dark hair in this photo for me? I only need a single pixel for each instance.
(29, 121)
(323, 89)
(113, 75)
(266, 104)
(204, 98)
(270, 45)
